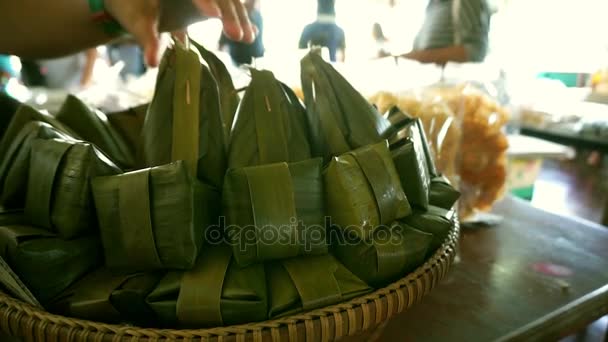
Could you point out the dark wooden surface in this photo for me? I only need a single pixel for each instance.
(496, 291)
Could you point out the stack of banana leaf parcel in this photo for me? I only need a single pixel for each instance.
(230, 208)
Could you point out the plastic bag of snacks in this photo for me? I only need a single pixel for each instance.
(464, 128)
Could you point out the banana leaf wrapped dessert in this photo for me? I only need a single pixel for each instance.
(184, 120)
(216, 292)
(442, 194)
(15, 165)
(436, 221)
(129, 124)
(59, 196)
(24, 115)
(308, 283)
(363, 190)
(392, 252)
(267, 130)
(410, 162)
(12, 217)
(8, 107)
(47, 264)
(229, 99)
(275, 211)
(93, 126)
(106, 296)
(340, 119)
(154, 218)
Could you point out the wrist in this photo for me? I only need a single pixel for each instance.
(101, 15)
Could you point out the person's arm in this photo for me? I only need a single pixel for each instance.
(44, 29)
(472, 32)
(341, 53)
(89, 66)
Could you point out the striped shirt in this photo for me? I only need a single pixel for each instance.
(456, 22)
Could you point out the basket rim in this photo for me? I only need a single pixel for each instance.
(433, 270)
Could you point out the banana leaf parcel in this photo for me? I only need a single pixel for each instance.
(59, 194)
(275, 211)
(267, 130)
(392, 253)
(8, 107)
(398, 119)
(216, 292)
(106, 296)
(442, 194)
(24, 115)
(363, 190)
(12, 217)
(154, 218)
(414, 131)
(339, 117)
(47, 264)
(184, 120)
(229, 99)
(129, 124)
(308, 283)
(15, 165)
(436, 221)
(410, 162)
(92, 125)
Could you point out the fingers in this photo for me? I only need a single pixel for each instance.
(208, 7)
(230, 19)
(146, 34)
(245, 23)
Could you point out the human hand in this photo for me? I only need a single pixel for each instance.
(145, 18)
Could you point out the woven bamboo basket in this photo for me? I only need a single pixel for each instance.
(327, 324)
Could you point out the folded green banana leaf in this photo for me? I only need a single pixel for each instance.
(184, 120)
(47, 264)
(267, 130)
(398, 120)
(436, 221)
(340, 118)
(59, 196)
(12, 285)
(24, 115)
(229, 99)
(363, 190)
(410, 162)
(216, 292)
(308, 283)
(93, 126)
(129, 124)
(154, 218)
(15, 165)
(442, 194)
(298, 112)
(414, 131)
(12, 217)
(106, 296)
(275, 211)
(8, 107)
(392, 253)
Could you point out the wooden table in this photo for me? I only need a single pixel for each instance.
(536, 276)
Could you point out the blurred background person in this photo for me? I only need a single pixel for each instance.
(453, 31)
(127, 51)
(70, 72)
(243, 52)
(325, 32)
(380, 40)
